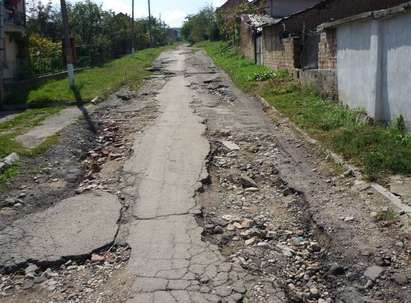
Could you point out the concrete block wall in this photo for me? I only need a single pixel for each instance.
(280, 53)
(324, 81)
(327, 50)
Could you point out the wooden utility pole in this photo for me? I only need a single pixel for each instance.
(2, 53)
(149, 24)
(132, 28)
(67, 45)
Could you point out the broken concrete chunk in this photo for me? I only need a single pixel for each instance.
(8, 161)
(231, 146)
(246, 223)
(247, 182)
(373, 272)
(285, 250)
(12, 158)
(74, 227)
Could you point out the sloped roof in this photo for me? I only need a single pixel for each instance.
(376, 14)
(257, 21)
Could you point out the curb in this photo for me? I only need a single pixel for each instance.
(355, 171)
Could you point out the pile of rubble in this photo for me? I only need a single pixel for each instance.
(261, 223)
(72, 281)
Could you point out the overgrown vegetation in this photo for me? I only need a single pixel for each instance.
(99, 36)
(269, 75)
(379, 149)
(201, 26)
(388, 215)
(8, 174)
(93, 82)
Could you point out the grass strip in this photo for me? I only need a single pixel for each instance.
(97, 81)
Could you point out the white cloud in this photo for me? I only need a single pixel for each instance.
(218, 3)
(124, 7)
(174, 18)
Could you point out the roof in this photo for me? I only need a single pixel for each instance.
(258, 21)
(377, 14)
(279, 20)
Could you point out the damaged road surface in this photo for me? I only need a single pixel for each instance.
(168, 259)
(190, 193)
(74, 227)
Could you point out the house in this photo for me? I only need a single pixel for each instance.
(312, 50)
(358, 53)
(14, 31)
(282, 8)
(173, 34)
(373, 61)
(273, 12)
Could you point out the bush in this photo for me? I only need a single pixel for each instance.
(45, 55)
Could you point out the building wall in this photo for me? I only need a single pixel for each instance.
(11, 57)
(324, 81)
(280, 53)
(396, 60)
(247, 46)
(327, 50)
(374, 64)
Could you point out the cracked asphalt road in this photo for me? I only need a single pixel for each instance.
(189, 229)
(168, 258)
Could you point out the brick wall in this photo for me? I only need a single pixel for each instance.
(280, 53)
(247, 47)
(327, 50)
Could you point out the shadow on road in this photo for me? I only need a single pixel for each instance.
(83, 109)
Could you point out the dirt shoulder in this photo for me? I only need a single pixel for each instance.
(323, 223)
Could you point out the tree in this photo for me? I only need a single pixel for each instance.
(99, 35)
(200, 27)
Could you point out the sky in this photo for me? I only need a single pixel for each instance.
(172, 12)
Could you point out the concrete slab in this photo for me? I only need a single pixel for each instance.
(51, 126)
(74, 227)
